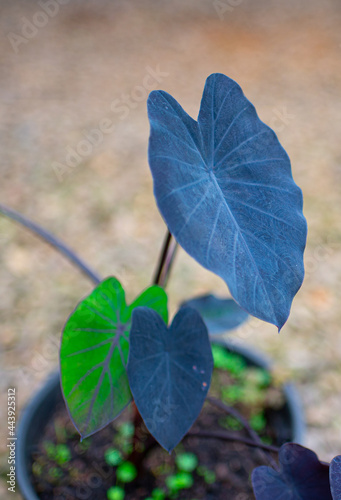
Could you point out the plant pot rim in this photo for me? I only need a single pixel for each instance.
(46, 398)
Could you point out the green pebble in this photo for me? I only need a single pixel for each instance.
(127, 448)
(201, 470)
(228, 361)
(230, 423)
(127, 429)
(37, 469)
(252, 396)
(180, 481)
(158, 494)
(115, 493)
(259, 377)
(232, 393)
(126, 472)
(55, 472)
(186, 462)
(84, 445)
(258, 422)
(266, 440)
(209, 477)
(50, 449)
(62, 454)
(113, 457)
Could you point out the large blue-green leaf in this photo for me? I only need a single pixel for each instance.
(301, 477)
(94, 354)
(169, 371)
(219, 315)
(335, 477)
(224, 187)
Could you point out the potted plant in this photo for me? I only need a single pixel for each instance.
(224, 187)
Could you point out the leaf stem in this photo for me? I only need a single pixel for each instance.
(165, 260)
(52, 240)
(235, 413)
(229, 436)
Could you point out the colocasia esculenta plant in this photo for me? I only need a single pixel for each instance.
(224, 187)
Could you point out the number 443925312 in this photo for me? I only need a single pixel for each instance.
(11, 411)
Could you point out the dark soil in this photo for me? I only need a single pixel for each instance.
(85, 475)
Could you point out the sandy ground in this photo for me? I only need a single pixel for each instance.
(61, 80)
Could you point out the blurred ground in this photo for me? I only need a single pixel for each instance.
(60, 80)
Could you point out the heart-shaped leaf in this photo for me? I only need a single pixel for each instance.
(94, 354)
(224, 187)
(169, 371)
(301, 477)
(219, 315)
(335, 477)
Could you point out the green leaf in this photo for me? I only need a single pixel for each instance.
(94, 353)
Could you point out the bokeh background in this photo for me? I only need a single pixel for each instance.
(64, 72)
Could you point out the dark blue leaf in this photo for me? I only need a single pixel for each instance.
(169, 371)
(335, 477)
(225, 189)
(301, 477)
(219, 315)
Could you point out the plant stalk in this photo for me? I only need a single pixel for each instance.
(229, 436)
(52, 240)
(235, 413)
(165, 261)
